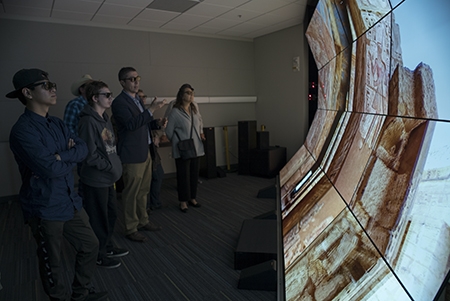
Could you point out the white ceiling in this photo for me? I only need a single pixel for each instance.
(237, 19)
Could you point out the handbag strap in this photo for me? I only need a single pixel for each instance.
(192, 127)
(192, 123)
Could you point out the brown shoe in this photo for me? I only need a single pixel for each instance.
(136, 236)
(150, 227)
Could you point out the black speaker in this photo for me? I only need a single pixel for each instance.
(244, 162)
(257, 243)
(246, 142)
(208, 161)
(262, 140)
(221, 173)
(268, 215)
(267, 162)
(261, 277)
(267, 193)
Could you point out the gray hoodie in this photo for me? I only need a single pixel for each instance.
(102, 166)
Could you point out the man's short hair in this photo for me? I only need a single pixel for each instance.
(92, 89)
(124, 71)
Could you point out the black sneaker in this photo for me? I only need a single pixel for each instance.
(116, 252)
(108, 263)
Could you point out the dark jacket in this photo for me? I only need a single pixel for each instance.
(102, 166)
(133, 127)
(47, 190)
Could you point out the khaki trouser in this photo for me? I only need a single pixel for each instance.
(136, 180)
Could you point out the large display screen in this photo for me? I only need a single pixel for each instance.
(365, 202)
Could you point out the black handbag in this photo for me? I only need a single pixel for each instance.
(187, 147)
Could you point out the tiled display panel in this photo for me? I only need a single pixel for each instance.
(365, 202)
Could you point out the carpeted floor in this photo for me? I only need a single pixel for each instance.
(192, 258)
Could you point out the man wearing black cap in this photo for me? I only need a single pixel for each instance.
(46, 153)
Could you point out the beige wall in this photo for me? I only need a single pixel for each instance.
(215, 67)
(282, 93)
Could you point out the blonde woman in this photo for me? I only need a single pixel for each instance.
(183, 116)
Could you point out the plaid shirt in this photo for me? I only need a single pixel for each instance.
(72, 113)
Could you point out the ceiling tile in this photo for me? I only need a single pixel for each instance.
(210, 10)
(121, 11)
(71, 15)
(290, 11)
(232, 17)
(286, 24)
(178, 6)
(136, 3)
(266, 20)
(240, 15)
(190, 20)
(229, 3)
(77, 6)
(262, 6)
(157, 15)
(221, 23)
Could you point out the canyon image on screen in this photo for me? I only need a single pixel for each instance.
(365, 202)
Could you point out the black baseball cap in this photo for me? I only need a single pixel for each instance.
(24, 78)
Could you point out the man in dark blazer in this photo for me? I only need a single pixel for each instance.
(134, 123)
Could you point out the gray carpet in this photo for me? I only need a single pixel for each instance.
(192, 258)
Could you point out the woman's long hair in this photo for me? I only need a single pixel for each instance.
(179, 100)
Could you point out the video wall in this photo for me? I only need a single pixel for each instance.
(365, 202)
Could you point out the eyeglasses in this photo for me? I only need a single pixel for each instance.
(133, 79)
(142, 96)
(189, 93)
(45, 85)
(107, 95)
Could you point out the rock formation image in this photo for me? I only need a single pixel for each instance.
(365, 214)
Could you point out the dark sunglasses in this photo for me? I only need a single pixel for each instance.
(45, 85)
(133, 79)
(107, 95)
